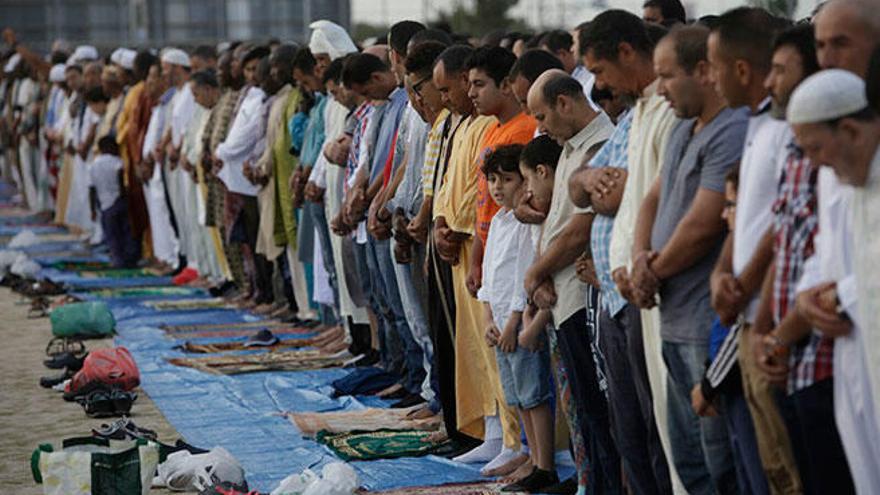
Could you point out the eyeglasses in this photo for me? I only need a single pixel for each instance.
(418, 86)
(729, 205)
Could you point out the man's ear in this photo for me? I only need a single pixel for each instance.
(743, 71)
(543, 171)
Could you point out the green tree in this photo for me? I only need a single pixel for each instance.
(782, 8)
(484, 16)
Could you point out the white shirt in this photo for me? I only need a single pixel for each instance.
(240, 142)
(104, 177)
(587, 80)
(509, 247)
(762, 161)
(182, 108)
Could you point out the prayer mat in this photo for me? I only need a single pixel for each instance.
(253, 325)
(116, 273)
(86, 265)
(476, 488)
(239, 346)
(244, 332)
(189, 304)
(265, 361)
(369, 419)
(381, 444)
(145, 292)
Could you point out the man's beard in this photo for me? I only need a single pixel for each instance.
(777, 109)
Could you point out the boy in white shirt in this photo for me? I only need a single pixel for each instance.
(105, 180)
(524, 369)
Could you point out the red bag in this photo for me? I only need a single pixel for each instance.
(108, 367)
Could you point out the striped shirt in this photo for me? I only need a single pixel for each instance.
(432, 152)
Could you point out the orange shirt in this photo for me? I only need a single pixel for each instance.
(519, 130)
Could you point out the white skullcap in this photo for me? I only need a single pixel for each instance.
(56, 74)
(12, 63)
(827, 95)
(175, 56)
(330, 38)
(116, 56)
(127, 59)
(83, 53)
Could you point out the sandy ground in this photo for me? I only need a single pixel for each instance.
(31, 415)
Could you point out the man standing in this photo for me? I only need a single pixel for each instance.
(679, 232)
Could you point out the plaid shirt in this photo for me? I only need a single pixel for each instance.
(796, 222)
(612, 154)
(361, 118)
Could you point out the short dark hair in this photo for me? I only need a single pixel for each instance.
(282, 57)
(733, 177)
(503, 159)
(108, 145)
(426, 35)
(96, 95)
(542, 150)
(333, 72)
(561, 85)
(557, 40)
(207, 77)
(255, 53)
(454, 58)
(801, 38)
(400, 34)
(611, 28)
(205, 51)
(747, 33)
(532, 63)
(872, 80)
(656, 32)
(603, 94)
(494, 61)
(689, 44)
(670, 9)
(304, 60)
(359, 67)
(421, 58)
(76, 67)
(142, 63)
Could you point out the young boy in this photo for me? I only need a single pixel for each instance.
(105, 179)
(524, 369)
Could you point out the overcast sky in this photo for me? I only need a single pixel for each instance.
(539, 13)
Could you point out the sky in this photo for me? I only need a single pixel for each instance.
(538, 13)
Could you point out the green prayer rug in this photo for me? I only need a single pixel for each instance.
(77, 266)
(145, 292)
(380, 444)
(116, 273)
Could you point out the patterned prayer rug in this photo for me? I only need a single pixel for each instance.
(145, 292)
(369, 419)
(242, 325)
(116, 273)
(189, 304)
(85, 265)
(381, 444)
(477, 488)
(266, 361)
(239, 346)
(243, 332)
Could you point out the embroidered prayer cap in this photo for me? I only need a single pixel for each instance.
(123, 57)
(83, 53)
(827, 95)
(56, 74)
(175, 56)
(330, 38)
(12, 63)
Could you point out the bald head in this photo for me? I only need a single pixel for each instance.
(380, 51)
(846, 32)
(557, 102)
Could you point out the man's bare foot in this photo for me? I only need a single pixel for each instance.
(519, 472)
(329, 336)
(282, 312)
(264, 309)
(390, 390)
(422, 413)
(335, 346)
(436, 437)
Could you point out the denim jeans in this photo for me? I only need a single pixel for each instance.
(630, 403)
(741, 431)
(700, 446)
(414, 309)
(382, 269)
(368, 273)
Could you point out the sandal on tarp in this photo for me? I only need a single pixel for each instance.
(102, 403)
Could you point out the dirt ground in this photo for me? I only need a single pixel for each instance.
(31, 415)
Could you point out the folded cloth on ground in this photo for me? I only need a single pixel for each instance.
(240, 346)
(186, 472)
(381, 444)
(264, 361)
(477, 488)
(367, 380)
(188, 304)
(245, 332)
(369, 419)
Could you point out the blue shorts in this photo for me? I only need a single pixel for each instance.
(525, 376)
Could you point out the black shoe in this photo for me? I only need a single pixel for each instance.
(51, 381)
(400, 394)
(567, 487)
(65, 360)
(222, 290)
(534, 483)
(263, 338)
(408, 401)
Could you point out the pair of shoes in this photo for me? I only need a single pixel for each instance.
(567, 487)
(67, 360)
(263, 338)
(51, 381)
(124, 429)
(222, 290)
(535, 482)
(103, 402)
(408, 401)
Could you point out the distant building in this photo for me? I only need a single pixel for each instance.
(134, 23)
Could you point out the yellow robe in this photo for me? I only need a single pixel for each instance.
(477, 382)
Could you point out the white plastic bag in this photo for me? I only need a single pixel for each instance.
(8, 258)
(296, 484)
(337, 478)
(183, 471)
(25, 268)
(24, 238)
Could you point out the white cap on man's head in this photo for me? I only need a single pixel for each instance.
(83, 53)
(175, 56)
(56, 74)
(826, 95)
(126, 61)
(330, 38)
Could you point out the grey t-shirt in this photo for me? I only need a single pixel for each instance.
(693, 161)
